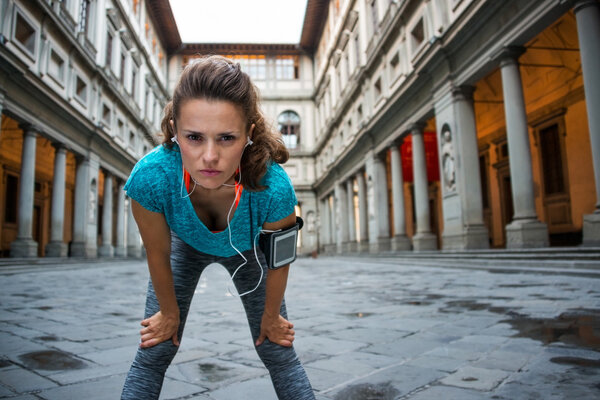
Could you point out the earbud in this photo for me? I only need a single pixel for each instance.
(174, 139)
(249, 141)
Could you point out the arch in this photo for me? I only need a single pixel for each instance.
(288, 124)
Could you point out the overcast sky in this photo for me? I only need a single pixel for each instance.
(239, 21)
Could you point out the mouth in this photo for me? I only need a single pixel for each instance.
(210, 172)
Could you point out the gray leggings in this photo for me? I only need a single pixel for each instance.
(146, 375)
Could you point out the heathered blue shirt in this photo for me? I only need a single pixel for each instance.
(155, 183)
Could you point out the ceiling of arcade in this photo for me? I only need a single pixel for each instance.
(551, 75)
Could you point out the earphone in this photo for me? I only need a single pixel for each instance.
(249, 142)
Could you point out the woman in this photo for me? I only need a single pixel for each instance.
(201, 197)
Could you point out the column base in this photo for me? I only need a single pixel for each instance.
(424, 242)
(24, 248)
(106, 250)
(401, 243)
(352, 247)
(363, 247)
(329, 248)
(382, 244)
(82, 249)
(472, 237)
(120, 251)
(57, 249)
(591, 229)
(523, 234)
(134, 251)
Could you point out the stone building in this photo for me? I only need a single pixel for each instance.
(412, 125)
(82, 87)
(456, 124)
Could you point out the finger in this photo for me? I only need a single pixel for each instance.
(149, 343)
(145, 322)
(261, 339)
(175, 339)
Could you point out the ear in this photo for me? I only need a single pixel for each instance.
(172, 125)
(251, 131)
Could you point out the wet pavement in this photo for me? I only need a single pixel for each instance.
(367, 329)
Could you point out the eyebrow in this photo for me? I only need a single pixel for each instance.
(202, 133)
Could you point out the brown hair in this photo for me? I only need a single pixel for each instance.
(218, 78)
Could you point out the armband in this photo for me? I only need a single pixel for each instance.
(279, 247)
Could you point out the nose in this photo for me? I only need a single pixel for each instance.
(211, 153)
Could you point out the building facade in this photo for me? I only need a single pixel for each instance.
(412, 125)
(82, 87)
(456, 124)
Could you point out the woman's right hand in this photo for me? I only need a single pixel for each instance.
(158, 328)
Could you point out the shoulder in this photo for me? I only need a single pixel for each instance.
(153, 168)
(276, 177)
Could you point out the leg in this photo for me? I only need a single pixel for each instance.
(288, 375)
(146, 375)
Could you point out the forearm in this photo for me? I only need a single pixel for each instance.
(275, 289)
(162, 281)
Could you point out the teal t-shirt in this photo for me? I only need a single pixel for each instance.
(155, 183)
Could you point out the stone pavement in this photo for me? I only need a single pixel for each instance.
(366, 328)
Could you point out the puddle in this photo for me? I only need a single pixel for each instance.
(358, 314)
(213, 372)
(50, 338)
(456, 306)
(576, 327)
(44, 308)
(117, 314)
(416, 302)
(580, 362)
(368, 391)
(522, 285)
(51, 360)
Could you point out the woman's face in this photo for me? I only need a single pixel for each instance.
(212, 136)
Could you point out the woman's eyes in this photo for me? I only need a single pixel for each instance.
(199, 138)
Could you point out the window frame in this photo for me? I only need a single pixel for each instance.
(31, 54)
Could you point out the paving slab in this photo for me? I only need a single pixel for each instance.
(364, 328)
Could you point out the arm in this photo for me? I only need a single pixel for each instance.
(157, 239)
(273, 325)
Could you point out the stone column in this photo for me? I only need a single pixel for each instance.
(423, 239)
(120, 250)
(587, 14)
(363, 216)
(24, 245)
(85, 222)
(106, 249)
(400, 241)
(525, 230)
(352, 246)
(341, 216)
(460, 180)
(133, 236)
(57, 247)
(379, 227)
(324, 224)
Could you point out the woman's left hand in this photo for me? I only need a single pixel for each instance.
(277, 329)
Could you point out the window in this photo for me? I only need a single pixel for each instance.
(122, 73)
(132, 140)
(357, 50)
(121, 128)
(10, 199)
(256, 66)
(289, 126)
(374, 16)
(395, 64)
(109, 49)
(134, 74)
(56, 66)
(377, 87)
(418, 35)
(25, 34)
(81, 90)
(287, 67)
(106, 115)
(84, 17)
(347, 65)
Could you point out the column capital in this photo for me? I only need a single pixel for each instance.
(59, 147)
(464, 91)
(508, 55)
(416, 128)
(29, 129)
(579, 5)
